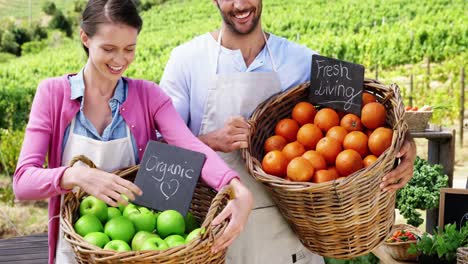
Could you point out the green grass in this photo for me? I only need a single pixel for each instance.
(19, 9)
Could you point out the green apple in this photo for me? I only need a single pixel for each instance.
(170, 222)
(94, 206)
(118, 245)
(87, 224)
(97, 238)
(113, 212)
(190, 223)
(139, 238)
(154, 243)
(174, 240)
(120, 228)
(143, 219)
(196, 233)
(130, 208)
(121, 206)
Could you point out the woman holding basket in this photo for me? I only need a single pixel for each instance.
(110, 119)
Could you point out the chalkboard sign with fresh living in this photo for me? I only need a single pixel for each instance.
(453, 207)
(336, 84)
(168, 176)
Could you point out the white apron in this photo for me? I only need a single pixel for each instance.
(106, 155)
(266, 238)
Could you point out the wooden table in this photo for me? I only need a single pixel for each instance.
(25, 249)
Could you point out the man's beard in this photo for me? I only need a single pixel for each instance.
(231, 26)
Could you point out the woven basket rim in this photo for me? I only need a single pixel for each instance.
(406, 227)
(199, 244)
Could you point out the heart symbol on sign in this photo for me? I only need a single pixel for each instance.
(169, 189)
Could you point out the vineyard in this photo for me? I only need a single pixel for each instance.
(25, 8)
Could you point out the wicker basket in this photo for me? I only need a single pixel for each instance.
(206, 204)
(417, 120)
(462, 255)
(344, 218)
(399, 250)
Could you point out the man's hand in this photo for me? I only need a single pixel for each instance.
(398, 177)
(231, 137)
(237, 210)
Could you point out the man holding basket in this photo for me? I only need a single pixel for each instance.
(215, 81)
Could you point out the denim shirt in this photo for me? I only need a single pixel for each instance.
(115, 130)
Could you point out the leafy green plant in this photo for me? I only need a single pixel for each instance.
(422, 191)
(366, 259)
(7, 195)
(443, 243)
(10, 147)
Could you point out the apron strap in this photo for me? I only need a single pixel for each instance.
(273, 64)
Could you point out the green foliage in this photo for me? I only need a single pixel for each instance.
(443, 243)
(8, 43)
(4, 57)
(422, 191)
(7, 195)
(366, 259)
(49, 8)
(33, 47)
(10, 147)
(79, 6)
(15, 105)
(61, 22)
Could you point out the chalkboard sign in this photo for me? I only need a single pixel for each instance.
(168, 176)
(336, 84)
(453, 207)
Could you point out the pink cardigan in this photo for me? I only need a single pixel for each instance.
(146, 109)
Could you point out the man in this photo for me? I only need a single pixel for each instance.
(216, 80)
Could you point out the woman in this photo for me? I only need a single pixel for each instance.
(110, 119)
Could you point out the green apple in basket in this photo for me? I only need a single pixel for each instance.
(118, 245)
(130, 208)
(94, 206)
(87, 224)
(140, 238)
(97, 238)
(196, 233)
(190, 223)
(170, 222)
(143, 219)
(175, 240)
(113, 212)
(154, 243)
(121, 206)
(120, 228)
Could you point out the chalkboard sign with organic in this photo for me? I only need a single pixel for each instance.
(336, 84)
(168, 176)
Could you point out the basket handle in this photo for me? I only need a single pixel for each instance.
(226, 192)
(83, 159)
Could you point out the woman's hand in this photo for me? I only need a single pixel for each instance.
(105, 186)
(399, 176)
(237, 210)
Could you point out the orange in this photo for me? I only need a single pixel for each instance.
(326, 118)
(308, 135)
(338, 133)
(380, 140)
(369, 160)
(373, 115)
(304, 113)
(287, 128)
(333, 171)
(329, 148)
(348, 161)
(323, 176)
(357, 141)
(275, 142)
(293, 149)
(351, 122)
(275, 163)
(300, 169)
(315, 159)
(368, 98)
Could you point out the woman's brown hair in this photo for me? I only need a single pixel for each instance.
(109, 11)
